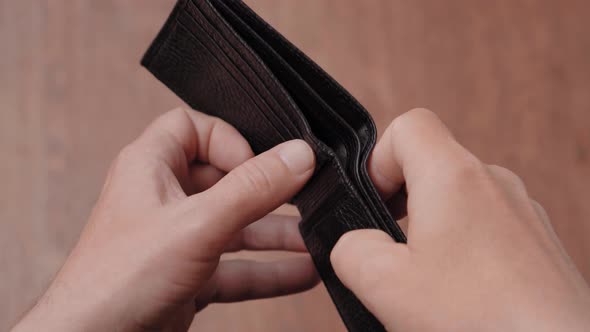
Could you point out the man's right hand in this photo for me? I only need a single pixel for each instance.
(481, 254)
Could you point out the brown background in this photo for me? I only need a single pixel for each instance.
(511, 78)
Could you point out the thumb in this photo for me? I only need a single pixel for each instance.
(371, 264)
(256, 188)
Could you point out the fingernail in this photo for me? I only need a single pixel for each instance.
(297, 155)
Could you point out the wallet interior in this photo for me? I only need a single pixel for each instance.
(223, 59)
(337, 122)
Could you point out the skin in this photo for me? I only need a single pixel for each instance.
(481, 255)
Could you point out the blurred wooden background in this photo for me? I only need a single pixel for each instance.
(511, 78)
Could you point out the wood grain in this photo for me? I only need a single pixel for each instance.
(510, 78)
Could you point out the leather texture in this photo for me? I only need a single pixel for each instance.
(224, 60)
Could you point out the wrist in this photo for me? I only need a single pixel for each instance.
(50, 315)
(558, 310)
(63, 309)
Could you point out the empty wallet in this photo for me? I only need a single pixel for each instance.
(223, 59)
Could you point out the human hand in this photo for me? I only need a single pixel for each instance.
(481, 255)
(149, 257)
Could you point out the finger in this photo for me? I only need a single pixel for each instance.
(440, 176)
(241, 280)
(386, 174)
(219, 143)
(203, 177)
(397, 204)
(273, 232)
(178, 137)
(510, 181)
(403, 223)
(369, 262)
(540, 210)
(544, 217)
(513, 186)
(252, 190)
(181, 136)
(414, 146)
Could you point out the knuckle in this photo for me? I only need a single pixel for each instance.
(465, 170)
(126, 156)
(409, 118)
(216, 125)
(180, 110)
(255, 177)
(127, 152)
(506, 175)
(176, 113)
(410, 122)
(171, 119)
(539, 208)
(422, 112)
(132, 159)
(536, 204)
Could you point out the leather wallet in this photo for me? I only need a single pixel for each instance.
(223, 59)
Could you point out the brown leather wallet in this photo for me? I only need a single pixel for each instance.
(224, 60)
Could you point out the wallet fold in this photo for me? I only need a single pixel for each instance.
(221, 58)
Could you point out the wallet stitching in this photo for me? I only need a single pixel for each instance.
(223, 65)
(166, 40)
(334, 286)
(258, 60)
(240, 56)
(347, 100)
(338, 210)
(336, 165)
(321, 74)
(318, 72)
(226, 62)
(339, 168)
(272, 53)
(343, 176)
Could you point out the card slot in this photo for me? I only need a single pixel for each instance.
(258, 116)
(323, 152)
(334, 94)
(254, 93)
(352, 165)
(326, 124)
(277, 100)
(324, 193)
(331, 92)
(164, 44)
(340, 180)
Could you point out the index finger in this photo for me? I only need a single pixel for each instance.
(159, 160)
(181, 136)
(414, 150)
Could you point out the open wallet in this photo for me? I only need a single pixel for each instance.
(223, 59)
